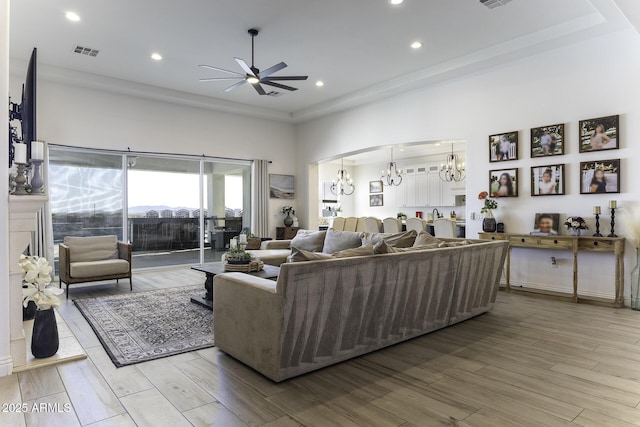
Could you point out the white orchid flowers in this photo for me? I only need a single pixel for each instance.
(37, 275)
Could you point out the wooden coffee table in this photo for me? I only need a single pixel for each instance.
(213, 268)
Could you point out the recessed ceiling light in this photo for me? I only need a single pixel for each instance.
(72, 16)
(156, 56)
(319, 83)
(416, 45)
(396, 2)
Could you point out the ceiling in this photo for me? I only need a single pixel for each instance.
(358, 48)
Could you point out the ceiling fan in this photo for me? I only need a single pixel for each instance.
(252, 75)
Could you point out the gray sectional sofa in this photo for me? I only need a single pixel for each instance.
(327, 310)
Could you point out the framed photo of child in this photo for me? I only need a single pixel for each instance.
(503, 146)
(503, 183)
(546, 224)
(547, 180)
(599, 134)
(547, 141)
(600, 177)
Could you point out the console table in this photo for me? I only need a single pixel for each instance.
(613, 245)
(286, 233)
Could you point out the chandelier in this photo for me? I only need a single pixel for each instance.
(391, 176)
(343, 186)
(452, 169)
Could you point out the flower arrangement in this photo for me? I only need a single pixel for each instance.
(630, 219)
(401, 215)
(237, 254)
(489, 203)
(288, 210)
(576, 223)
(37, 276)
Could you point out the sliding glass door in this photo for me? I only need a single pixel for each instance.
(180, 209)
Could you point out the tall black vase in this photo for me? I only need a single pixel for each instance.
(489, 225)
(44, 339)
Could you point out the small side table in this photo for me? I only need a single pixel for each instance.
(286, 233)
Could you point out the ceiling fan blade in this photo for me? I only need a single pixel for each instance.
(272, 70)
(213, 79)
(245, 67)
(233, 86)
(275, 78)
(221, 69)
(278, 85)
(259, 89)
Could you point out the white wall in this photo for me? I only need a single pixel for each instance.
(82, 117)
(582, 81)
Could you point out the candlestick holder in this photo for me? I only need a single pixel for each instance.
(37, 183)
(20, 180)
(613, 223)
(597, 233)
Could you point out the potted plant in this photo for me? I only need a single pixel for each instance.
(402, 216)
(237, 255)
(575, 224)
(489, 221)
(37, 277)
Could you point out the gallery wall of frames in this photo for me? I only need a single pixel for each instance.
(548, 178)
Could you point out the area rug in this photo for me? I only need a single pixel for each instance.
(143, 326)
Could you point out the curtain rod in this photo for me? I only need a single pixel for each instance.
(195, 156)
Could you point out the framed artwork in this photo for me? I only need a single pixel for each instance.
(547, 180)
(375, 186)
(599, 134)
(503, 146)
(376, 200)
(281, 186)
(547, 141)
(546, 224)
(599, 177)
(503, 182)
(327, 194)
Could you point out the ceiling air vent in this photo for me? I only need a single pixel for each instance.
(82, 50)
(491, 4)
(275, 94)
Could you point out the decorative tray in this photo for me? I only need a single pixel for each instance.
(255, 265)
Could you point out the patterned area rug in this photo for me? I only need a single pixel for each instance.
(143, 326)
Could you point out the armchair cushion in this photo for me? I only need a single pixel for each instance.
(94, 248)
(99, 268)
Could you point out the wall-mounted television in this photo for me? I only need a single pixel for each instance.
(26, 111)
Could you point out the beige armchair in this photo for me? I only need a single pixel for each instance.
(90, 259)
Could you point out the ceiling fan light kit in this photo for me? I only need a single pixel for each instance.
(253, 75)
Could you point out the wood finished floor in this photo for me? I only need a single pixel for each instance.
(531, 362)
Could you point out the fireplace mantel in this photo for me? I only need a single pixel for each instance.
(22, 222)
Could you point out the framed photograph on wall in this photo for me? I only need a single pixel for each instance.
(376, 200)
(503, 146)
(547, 141)
(375, 186)
(547, 180)
(503, 182)
(546, 224)
(281, 186)
(599, 134)
(599, 177)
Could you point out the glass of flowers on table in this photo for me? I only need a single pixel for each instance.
(574, 224)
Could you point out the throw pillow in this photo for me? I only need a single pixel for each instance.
(309, 240)
(336, 241)
(403, 239)
(383, 247)
(452, 244)
(298, 255)
(361, 251)
(424, 238)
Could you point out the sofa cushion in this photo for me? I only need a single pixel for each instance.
(424, 238)
(361, 251)
(94, 248)
(382, 247)
(336, 241)
(309, 240)
(402, 239)
(298, 255)
(271, 256)
(79, 270)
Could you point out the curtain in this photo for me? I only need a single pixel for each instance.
(260, 196)
(42, 237)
